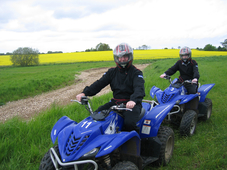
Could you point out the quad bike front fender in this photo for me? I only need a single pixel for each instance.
(186, 98)
(107, 143)
(119, 140)
(153, 119)
(154, 90)
(203, 90)
(61, 124)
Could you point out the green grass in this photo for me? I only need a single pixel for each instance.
(23, 144)
(22, 82)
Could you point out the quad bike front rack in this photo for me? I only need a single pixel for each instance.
(56, 161)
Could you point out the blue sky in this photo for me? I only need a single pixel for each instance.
(76, 25)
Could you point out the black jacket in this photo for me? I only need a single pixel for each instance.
(187, 71)
(125, 83)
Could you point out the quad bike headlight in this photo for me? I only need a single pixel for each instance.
(178, 101)
(91, 153)
(182, 108)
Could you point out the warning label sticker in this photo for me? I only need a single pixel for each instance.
(146, 129)
(147, 122)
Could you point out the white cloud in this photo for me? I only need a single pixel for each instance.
(73, 25)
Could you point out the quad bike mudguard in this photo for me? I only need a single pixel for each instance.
(154, 90)
(185, 98)
(203, 90)
(59, 125)
(150, 123)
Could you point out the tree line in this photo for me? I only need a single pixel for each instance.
(27, 56)
(210, 47)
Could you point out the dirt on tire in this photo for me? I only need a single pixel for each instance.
(27, 108)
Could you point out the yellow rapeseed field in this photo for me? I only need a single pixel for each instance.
(108, 56)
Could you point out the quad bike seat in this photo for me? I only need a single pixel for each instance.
(142, 113)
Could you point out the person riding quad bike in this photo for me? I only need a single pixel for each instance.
(127, 84)
(188, 69)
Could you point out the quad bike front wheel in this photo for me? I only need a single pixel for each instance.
(46, 162)
(188, 123)
(125, 165)
(166, 136)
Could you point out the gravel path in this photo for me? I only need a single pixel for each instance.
(26, 108)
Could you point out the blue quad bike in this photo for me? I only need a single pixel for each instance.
(181, 114)
(98, 142)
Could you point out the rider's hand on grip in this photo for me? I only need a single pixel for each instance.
(163, 75)
(194, 80)
(78, 97)
(130, 104)
(84, 100)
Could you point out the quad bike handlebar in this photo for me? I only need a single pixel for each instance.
(167, 77)
(88, 106)
(85, 101)
(120, 107)
(189, 81)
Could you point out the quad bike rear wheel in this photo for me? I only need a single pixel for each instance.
(188, 123)
(166, 136)
(46, 162)
(208, 111)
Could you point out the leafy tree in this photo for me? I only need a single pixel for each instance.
(103, 47)
(210, 47)
(25, 56)
(52, 52)
(224, 44)
(221, 48)
(199, 48)
(144, 47)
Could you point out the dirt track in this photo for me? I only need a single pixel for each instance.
(26, 108)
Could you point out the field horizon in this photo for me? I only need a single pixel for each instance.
(94, 56)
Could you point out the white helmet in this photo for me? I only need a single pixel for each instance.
(185, 51)
(121, 50)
